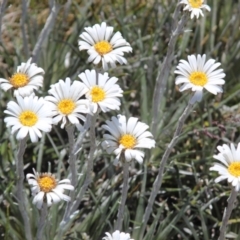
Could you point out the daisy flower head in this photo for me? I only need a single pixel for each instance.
(29, 115)
(195, 7)
(29, 77)
(126, 137)
(66, 103)
(117, 235)
(229, 166)
(197, 74)
(102, 46)
(46, 188)
(102, 91)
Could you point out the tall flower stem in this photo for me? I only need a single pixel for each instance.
(42, 221)
(165, 70)
(72, 156)
(20, 189)
(81, 136)
(23, 22)
(227, 214)
(120, 215)
(158, 181)
(72, 162)
(88, 178)
(40, 152)
(46, 29)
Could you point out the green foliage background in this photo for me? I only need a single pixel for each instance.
(189, 205)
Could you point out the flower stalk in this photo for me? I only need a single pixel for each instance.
(227, 213)
(120, 215)
(158, 181)
(46, 30)
(20, 189)
(72, 161)
(165, 70)
(42, 221)
(72, 156)
(88, 178)
(75, 200)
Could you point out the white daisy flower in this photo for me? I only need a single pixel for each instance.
(117, 235)
(30, 115)
(195, 7)
(229, 166)
(197, 74)
(102, 46)
(102, 91)
(27, 78)
(126, 138)
(66, 102)
(45, 187)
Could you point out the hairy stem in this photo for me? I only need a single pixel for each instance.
(46, 30)
(72, 156)
(120, 215)
(88, 178)
(227, 214)
(81, 136)
(20, 189)
(72, 163)
(42, 221)
(40, 152)
(23, 20)
(73, 150)
(164, 71)
(158, 181)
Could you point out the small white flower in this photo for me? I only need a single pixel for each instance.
(27, 78)
(197, 74)
(229, 166)
(66, 102)
(45, 187)
(102, 91)
(195, 7)
(126, 138)
(117, 235)
(30, 115)
(102, 46)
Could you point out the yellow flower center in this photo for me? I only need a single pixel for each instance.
(234, 169)
(46, 183)
(66, 106)
(103, 47)
(196, 3)
(97, 94)
(28, 118)
(19, 80)
(198, 78)
(128, 141)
